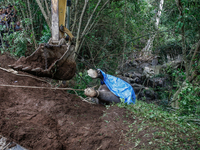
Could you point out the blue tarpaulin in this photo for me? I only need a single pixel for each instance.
(119, 87)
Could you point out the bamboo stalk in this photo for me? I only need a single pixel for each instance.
(35, 43)
(79, 27)
(44, 13)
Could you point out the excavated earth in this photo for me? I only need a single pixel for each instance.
(47, 119)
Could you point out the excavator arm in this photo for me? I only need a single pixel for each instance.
(54, 59)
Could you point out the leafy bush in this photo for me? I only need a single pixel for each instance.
(189, 100)
(15, 43)
(80, 84)
(46, 35)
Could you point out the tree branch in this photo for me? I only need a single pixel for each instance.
(96, 17)
(195, 52)
(47, 7)
(44, 13)
(90, 18)
(79, 27)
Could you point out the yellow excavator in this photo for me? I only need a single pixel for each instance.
(54, 59)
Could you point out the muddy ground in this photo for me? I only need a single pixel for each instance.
(46, 119)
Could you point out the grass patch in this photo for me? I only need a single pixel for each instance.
(158, 129)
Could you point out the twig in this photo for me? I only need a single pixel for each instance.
(84, 31)
(141, 88)
(195, 52)
(99, 147)
(90, 54)
(75, 16)
(79, 27)
(44, 13)
(93, 24)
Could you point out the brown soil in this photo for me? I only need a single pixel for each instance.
(43, 119)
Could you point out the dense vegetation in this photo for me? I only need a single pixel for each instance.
(110, 32)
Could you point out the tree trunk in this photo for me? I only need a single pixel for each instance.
(47, 19)
(33, 33)
(125, 41)
(79, 27)
(80, 37)
(148, 48)
(188, 78)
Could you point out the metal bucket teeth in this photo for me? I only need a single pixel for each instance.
(27, 68)
(37, 69)
(18, 67)
(11, 66)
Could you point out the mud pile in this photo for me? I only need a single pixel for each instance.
(44, 119)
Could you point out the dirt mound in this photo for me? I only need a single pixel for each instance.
(53, 119)
(6, 60)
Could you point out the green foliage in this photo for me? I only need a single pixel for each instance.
(15, 43)
(46, 35)
(172, 19)
(103, 45)
(153, 112)
(80, 84)
(122, 104)
(172, 47)
(189, 100)
(166, 130)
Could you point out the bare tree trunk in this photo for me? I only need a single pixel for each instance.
(95, 21)
(180, 7)
(125, 42)
(189, 78)
(197, 50)
(75, 15)
(148, 47)
(175, 97)
(80, 37)
(35, 43)
(47, 8)
(44, 14)
(84, 31)
(79, 27)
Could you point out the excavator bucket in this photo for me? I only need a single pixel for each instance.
(56, 58)
(54, 61)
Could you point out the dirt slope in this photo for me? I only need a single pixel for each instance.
(42, 119)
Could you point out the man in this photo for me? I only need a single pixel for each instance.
(17, 26)
(2, 17)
